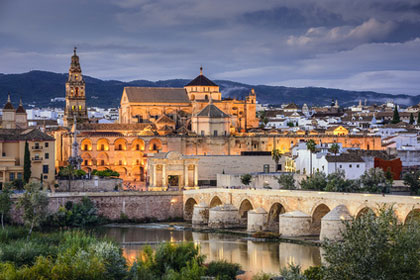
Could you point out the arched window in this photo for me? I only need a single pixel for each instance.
(206, 97)
(137, 147)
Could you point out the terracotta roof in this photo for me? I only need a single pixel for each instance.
(201, 80)
(212, 111)
(291, 106)
(8, 106)
(156, 95)
(344, 158)
(30, 134)
(165, 119)
(20, 109)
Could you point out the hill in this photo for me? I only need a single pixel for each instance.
(39, 87)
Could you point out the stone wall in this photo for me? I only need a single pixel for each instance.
(136, 205)
(93, 185)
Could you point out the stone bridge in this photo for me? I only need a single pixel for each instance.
(289, 212)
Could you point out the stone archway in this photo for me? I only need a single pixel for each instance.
(319, 212)
(243, 211)
(364, 211)
(413, 216)
(273, 217)
(215, 201)
(189, 209)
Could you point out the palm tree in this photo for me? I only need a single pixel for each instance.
(311, 146)
(335, 149)
(276, 156)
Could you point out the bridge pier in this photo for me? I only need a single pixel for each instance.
(257, 219)
(293, 224)
(224, 216)
(200, 215)
(332, 223)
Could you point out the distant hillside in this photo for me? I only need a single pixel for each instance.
(39, 87)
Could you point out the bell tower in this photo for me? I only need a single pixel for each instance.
(75, 94)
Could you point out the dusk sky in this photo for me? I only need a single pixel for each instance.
(356, 45)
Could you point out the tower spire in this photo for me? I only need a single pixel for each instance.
(74, 50)
(201, 70)
(8, 97)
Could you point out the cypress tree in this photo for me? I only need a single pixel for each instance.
(26, 164)
(418, 117)
(396, 117)
(412, 118)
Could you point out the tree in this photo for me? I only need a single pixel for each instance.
(26, 164)
(396, 117)
(276, 156)
(5, 203)
(34, 204)
(373, 180)
(418, 117)
(246, 179)
(311, 146)
(317, 182)
(335, 148)
(412, 121)
(68, 172)
(337, 182)
(412, 179)
(287, 181)
(374, 247)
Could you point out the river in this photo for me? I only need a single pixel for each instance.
(253, 256)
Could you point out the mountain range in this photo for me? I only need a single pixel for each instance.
(39, 87)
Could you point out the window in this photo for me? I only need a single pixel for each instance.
(86, 147)
(47, 155)
(36, 145)
(3, 154)
(19, 175)
(215, 133)
(86, 162)
(350, 165)
(102, 162)
(202, 133)
(119, 147)
(154, 147)
(358, 166)
(120, 162)
(11, 176)
(36, 157)
(45, 169)
(46, 144)
(137, 147)
(102, 147)
(137, 162)
(341, 166)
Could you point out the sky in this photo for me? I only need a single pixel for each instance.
(354, 45)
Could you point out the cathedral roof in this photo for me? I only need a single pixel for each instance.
(156, 95)
(8, 105)
(165, 119)
(201, 80)
(20, 109)
(212, 111)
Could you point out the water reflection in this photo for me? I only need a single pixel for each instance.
(253, 256)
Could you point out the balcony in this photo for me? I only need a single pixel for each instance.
(37, 159)
(37, 147)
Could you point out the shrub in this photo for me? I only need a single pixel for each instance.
(286, 181)
(105, 173)
(223, 270)
(262, 276)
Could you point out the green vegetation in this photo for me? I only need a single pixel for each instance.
(396, 116)
(26, 164)
(82, 214)
(412, 121)
(374, 180)
(412, 179)
(335, 149)
(246, 179)
(5, 203)
(287, 181)
(34, 203)
(105, 173)
(373, 247)
(276, 156)
(311, 146)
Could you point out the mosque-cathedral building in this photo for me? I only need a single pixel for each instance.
(194, 120)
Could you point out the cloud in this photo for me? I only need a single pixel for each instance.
(344, 36)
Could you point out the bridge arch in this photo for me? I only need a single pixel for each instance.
(317, 214)
(189, 208)
(412, 216)
(363, 211)
(273, 216)
(215, 201)
(244, 207)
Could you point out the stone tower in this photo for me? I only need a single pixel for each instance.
(75, 94)
(9, 115)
